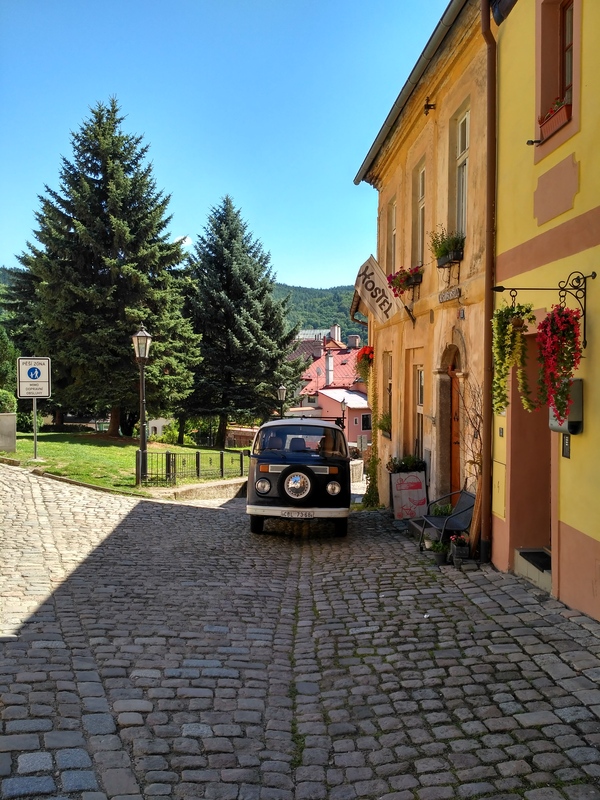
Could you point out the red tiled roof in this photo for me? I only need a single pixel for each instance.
(344, 372)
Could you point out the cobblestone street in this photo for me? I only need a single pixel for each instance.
(158, 649)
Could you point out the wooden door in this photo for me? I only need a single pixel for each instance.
(455, 482)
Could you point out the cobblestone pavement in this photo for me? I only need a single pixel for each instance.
(155, 649)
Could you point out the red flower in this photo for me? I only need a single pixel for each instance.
(559, 344)
(365, 353)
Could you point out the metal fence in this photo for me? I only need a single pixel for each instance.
(169, 468)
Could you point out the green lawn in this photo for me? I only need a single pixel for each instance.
(86, 457)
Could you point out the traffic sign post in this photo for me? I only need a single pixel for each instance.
(34, 381)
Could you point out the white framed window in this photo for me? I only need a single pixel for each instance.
(421, 215)
(392, 237)
(419, 398)
(387, 384)
(462, 166)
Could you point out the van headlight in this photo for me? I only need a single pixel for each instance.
(263, 486)
(333, 487)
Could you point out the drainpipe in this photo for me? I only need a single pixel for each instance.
(488, 304)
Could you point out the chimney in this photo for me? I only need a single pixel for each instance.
(317, 349)
(329, 368)
(353, 341)
(336, 333)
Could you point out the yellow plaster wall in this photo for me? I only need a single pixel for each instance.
(518, 177)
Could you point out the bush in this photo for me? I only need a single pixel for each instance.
(8, 402)
(25, 422)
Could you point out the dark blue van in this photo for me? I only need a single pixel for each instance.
(299, 470)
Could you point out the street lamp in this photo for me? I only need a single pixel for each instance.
(141, 344)
(343, 407)
(281, 392)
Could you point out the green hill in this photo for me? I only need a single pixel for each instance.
(321, 308)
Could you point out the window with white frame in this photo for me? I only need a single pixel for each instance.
(462, 163)
(420, 243)
(391, 254)
(419, 398)
(386, 405)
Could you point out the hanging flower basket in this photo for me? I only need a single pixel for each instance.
(509, 326)
(364, 362)
(559, 343)
(402, 280)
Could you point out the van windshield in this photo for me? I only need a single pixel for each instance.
(315, 439)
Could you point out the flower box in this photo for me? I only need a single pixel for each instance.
(459, 552)
(453, 257)
(414, 279)
(551, 124)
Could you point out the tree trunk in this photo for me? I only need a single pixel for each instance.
(181, 434)
(128, 420)
(59, 417)
(222, 432)
(115, 421)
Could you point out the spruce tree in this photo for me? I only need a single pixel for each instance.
(104, 265)
(245, 339)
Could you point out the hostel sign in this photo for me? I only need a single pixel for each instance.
(372, 286)
(33, 378)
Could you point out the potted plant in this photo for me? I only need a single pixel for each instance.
(509, 326)
(557, 115)
(447, 247)
(364, 362)
(440, 552)
(402, 280)
(559, 344)
(459, 546)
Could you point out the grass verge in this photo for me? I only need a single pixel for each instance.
(92, 458)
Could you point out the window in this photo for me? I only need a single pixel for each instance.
(566, 33)
(386, 405)
(312, 399)
(421, 217)
(418, 228)
(366, 422)
(391, 254)
(419, 397)
(462, 160)
(558, 73)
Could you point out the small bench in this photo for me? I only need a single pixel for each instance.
(458, 521)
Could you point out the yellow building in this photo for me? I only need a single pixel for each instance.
(429, 166)
(544, 523)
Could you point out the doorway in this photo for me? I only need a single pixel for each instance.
(529, 480)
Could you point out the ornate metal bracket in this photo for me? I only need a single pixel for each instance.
(408, 310)
(575, 286)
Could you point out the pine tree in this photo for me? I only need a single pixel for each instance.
(104, 266)
(245, 341)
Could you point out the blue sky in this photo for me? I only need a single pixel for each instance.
(274, 102)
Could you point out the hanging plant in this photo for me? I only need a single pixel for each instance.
(509, 326)
(402, 280)
(559, 344)
(364, 362)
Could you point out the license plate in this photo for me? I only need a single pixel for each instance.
(298, 514)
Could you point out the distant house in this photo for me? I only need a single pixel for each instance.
(330, 380)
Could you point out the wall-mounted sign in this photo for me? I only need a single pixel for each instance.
(373, 288)
(449, 294)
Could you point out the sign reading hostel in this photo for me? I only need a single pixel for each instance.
(33, 378)
(373, 288)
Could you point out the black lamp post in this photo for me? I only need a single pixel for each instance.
(141, 344)
(281, 393)
(343, 407)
